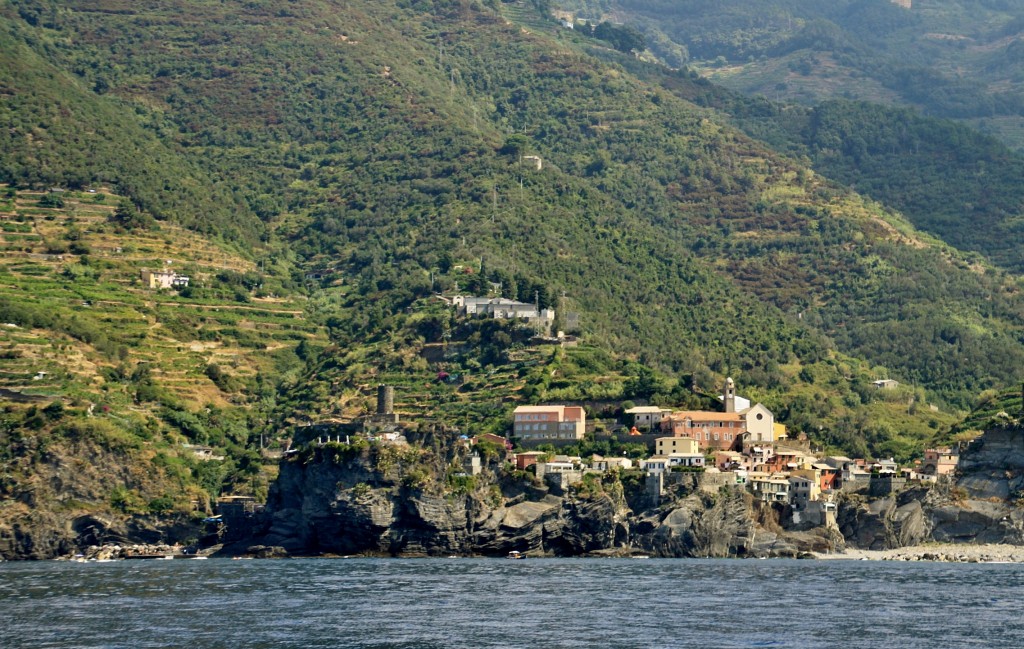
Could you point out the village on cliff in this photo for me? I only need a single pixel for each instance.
(740, 444)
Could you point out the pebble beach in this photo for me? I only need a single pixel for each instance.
(949, 552)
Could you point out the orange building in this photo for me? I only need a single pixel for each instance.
(529, 458)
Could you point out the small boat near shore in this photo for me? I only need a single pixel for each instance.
(516, 555)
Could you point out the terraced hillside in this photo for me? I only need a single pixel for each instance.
(394, 151)
(174, 386)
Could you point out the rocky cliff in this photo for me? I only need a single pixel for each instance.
(395, 500)
(59, 496)
(406, 501)
(409, 502)
(980, 504)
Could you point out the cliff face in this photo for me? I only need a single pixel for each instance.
(399, 503)
(394, 501)
(329, 503)
(979, 505)
(355, 505)
(57, 498)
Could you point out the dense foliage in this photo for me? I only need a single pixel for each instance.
(950, 58)
(387, 151)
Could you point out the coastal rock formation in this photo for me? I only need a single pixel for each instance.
(977, 506)
(344, 501)
(992, 466)
(397, 500)
(392, 501)
(700, 525)
(342, 505)
(60, 499)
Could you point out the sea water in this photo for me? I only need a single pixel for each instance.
(428, 603)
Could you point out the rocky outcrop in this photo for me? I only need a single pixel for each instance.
(977, 506)
(350, 502)
(992, 466)
(347, 507)
(883, 523)
(699, 525)
(44, 534)
(55, 499)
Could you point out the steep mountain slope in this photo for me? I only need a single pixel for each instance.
(57, 132)
(947, 179)
(391, 151)
(395, 134)
(949, 58)
(127, 409)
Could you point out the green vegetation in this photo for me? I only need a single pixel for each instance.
(948, 58)
(134, 372)
(346, 164)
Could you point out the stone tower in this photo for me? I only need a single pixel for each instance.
(385, 399)
(729, 395)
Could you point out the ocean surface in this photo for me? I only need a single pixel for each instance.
(428, 603)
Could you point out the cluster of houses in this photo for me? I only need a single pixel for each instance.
(500, 308)
(742, 444)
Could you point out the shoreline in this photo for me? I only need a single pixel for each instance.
(939, 552)
(934, 552)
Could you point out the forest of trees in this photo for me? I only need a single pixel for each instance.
(387, 146)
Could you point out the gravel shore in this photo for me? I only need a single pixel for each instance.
(951, 552)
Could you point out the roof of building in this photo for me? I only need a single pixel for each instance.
(565, 413)
(547, 408)
(561, 410)
(642, 410)
(748, 408)
(702, 415)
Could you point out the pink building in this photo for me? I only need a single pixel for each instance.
(712, 430)
(549, 422)
(940, 461)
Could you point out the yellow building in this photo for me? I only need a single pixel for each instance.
(684, 445)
